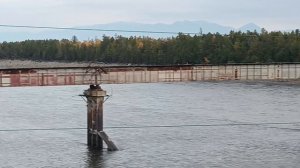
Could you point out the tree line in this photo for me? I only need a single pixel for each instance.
(235, 47)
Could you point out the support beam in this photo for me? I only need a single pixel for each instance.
(110, 145)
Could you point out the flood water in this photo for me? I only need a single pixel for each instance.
(202, 124)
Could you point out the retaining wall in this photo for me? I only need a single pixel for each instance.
(146, 74)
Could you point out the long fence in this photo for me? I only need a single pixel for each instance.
(146, 74)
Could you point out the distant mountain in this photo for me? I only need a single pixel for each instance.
(250, 27)
(181, 26)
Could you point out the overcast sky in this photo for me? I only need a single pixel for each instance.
(270, 14)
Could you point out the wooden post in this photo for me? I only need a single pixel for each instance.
(95, 134)
(1, 78)
(236, 73)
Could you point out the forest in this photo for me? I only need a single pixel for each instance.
(235, 47)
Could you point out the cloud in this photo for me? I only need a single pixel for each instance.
(267, 13)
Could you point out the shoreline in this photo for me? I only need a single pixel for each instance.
(11, 64)
(221, 75)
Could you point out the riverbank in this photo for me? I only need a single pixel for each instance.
(7, 64)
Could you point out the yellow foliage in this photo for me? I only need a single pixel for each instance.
(87, 43)
(140, 44)
(97, 42)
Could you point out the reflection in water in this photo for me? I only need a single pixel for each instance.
(94, 158)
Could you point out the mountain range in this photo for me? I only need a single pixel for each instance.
(180, 26)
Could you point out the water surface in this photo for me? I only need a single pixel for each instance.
(202, 124)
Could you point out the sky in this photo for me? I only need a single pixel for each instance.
(270, 14)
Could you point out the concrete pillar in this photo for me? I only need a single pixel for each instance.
(95, 134)
(95, 99)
